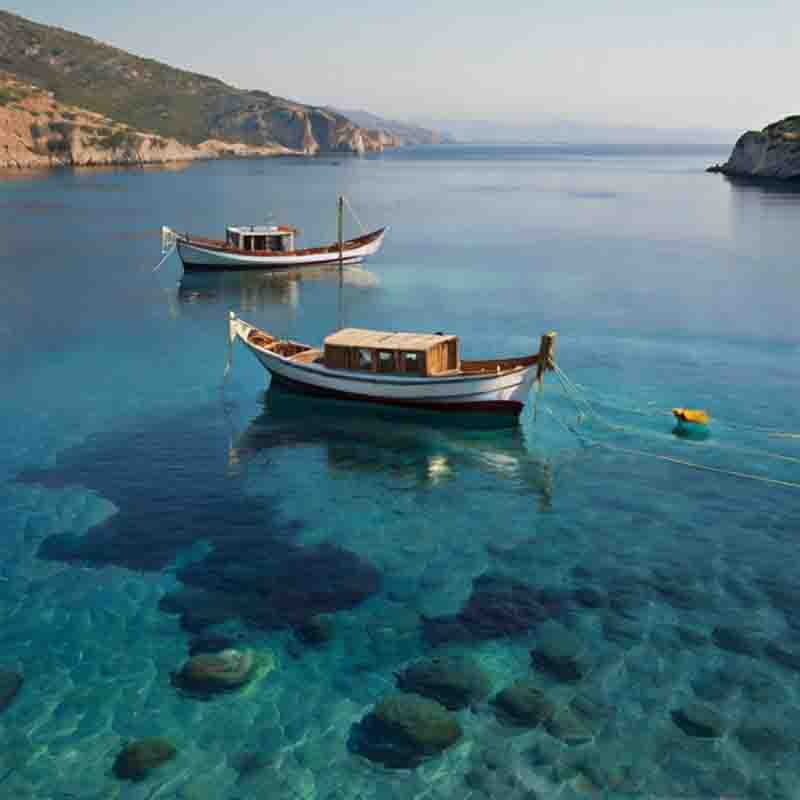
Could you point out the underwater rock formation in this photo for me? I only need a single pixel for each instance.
(699, 720)
(523, 703)
(208, 673)
(10, 684)
(136, 760)
(403, 730)
(561, 653)
(453, 681)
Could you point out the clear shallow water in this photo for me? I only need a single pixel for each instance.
(129, 475)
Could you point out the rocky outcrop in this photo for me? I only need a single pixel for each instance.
(773, 153)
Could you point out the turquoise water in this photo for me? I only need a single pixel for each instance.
(144, 503)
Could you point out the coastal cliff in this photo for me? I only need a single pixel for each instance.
(36, 131)
(156, 112)
(772, 153)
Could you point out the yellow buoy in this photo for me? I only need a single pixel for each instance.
(694, 415)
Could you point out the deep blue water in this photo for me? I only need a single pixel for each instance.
(144, 502)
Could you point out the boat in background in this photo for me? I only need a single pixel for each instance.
(410, 370)
(267, 247)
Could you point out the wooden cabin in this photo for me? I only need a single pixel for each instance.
(418, 354)
(255, 238)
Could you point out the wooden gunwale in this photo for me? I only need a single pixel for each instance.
(469, 369)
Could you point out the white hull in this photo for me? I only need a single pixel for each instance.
(504, 392)
(195, 255)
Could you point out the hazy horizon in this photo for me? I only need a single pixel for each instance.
(634, 65)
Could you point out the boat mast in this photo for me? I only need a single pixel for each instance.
(339, 230)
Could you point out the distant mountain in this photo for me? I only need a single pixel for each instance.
(405, 132)
(563, 131)
(152, 97)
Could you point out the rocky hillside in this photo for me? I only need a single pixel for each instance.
(155, 98)
(401, 133)
(771, 153)
(38, 131)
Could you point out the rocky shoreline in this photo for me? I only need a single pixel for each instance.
(771, 154)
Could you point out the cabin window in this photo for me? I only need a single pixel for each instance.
(248, 243)
(385, 361)
(413, 362)
(261, 242)
(364, 358)
(276, 243)
(234, 239)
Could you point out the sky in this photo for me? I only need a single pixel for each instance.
(671, 64)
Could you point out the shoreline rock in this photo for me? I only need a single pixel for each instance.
(770, 154)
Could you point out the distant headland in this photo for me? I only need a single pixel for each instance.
(772, 153)
(68, 100)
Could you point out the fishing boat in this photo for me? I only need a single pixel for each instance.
(267, 247)
(421, 371)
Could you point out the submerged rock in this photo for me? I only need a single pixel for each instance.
(767, 739)
(316, 630)
(454, 681)
(568, 726)
(10, 684)
(523, 703)
(561, 653)
(208, 673)
(498, 607)
(785, 656)
(137, 759)
(698, 720)
(736, 641)
(403, 730)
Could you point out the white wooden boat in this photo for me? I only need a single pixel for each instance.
(411, 370)
(267, 247)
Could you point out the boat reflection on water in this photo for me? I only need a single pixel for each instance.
(413, 448)
(258, 290)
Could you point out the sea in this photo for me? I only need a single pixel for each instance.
(592, 605)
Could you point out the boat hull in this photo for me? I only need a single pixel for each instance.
(197, 255)
(503, 394)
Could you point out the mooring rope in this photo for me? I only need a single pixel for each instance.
(587, 441)
(585, 408)
(572, 391)
(665, 412)
(353, 212)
